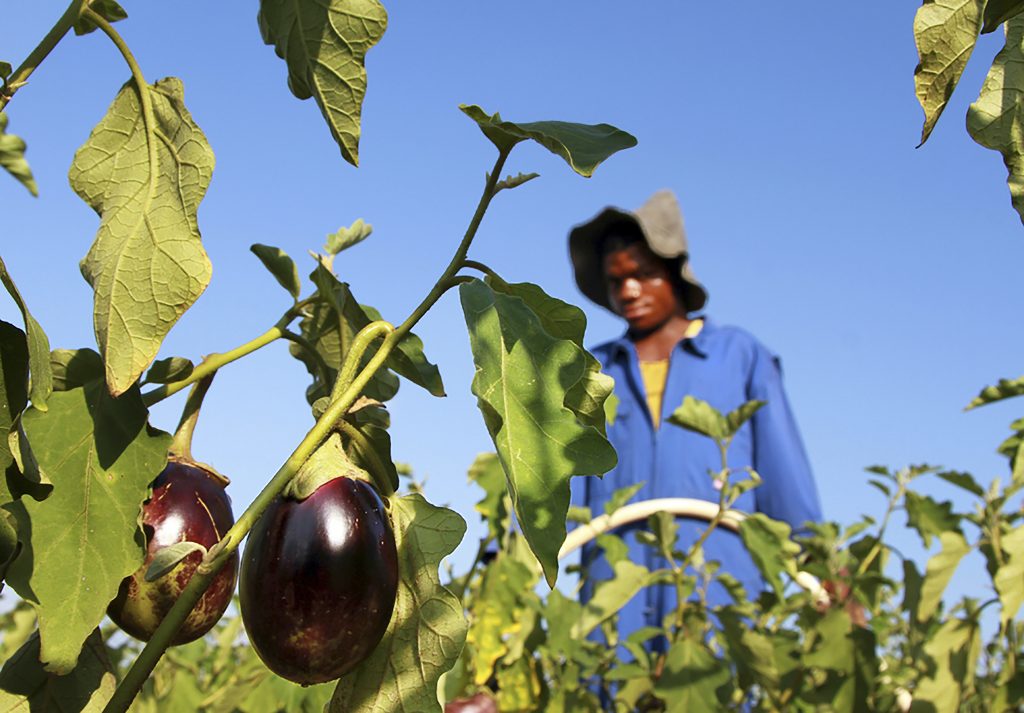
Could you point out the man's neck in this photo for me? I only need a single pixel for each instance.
(658, 344)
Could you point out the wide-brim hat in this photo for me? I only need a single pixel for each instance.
(660, 223)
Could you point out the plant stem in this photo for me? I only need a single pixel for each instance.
(215, 361)
(20, 75)
(362, 341)
(181, 446)
(479, 266)
(219, 554)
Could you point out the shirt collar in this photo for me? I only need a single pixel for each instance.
(697, 345)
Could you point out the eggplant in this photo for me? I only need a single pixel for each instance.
(189, 503)
(318, 581)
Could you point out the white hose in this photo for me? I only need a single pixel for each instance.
(680, 507)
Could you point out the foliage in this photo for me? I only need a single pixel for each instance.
(79, 454)
(883, 639)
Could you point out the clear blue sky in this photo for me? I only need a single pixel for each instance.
(887, 277)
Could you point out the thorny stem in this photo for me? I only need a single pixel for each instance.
(20, 75)
(151, 653)
(181, 446)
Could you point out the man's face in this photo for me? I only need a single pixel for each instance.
(640, 288)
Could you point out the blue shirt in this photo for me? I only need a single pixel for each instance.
(726, 367)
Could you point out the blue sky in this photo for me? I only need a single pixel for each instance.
(885, 276)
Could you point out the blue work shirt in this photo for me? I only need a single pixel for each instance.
(726, 367)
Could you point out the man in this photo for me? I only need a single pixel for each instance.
(636, 264)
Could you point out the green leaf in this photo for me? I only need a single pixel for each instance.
(280, 266)
(999, 11)
(347, 237)
(962, 480)
(144, 174)
(691, 679)
(945, 32)
(38, 347)
(324, 43)
(995, 120)
(5, 70)
(13, 389)
(700, 417)
(583, 146)
(332, 327)
(588, 397)
(771, 548)
(736, 418)
(487, 472)
(428, 627)
(497, 614)
(930, 518)
(101, 456)
(951, 656)
(26, 686)
(524, 379)
(622, 496)
(166, 371)
(939, 571)
(750, 650)
(167, 558)
(12, 157)
(1005, 389)
(8, 544)
(611, 595)
(109, 10)
(1009, 579)
(73, 368)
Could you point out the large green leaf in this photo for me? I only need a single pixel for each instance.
(85, 538)
(524, 378)
(691, 678)
(587, 398)
(144, 170)
(996, 120)
(1004, 389)
(26, 686)
(497, 613)
(12, 157)
(771, 548)
(38, 346)
(13, 389)
(999, 11)
(939, 571)
(945, 32)
(929, 517)
(75, 367)
(950, 659)
(428, 628)
(583, 146)
(1009, 579)
(611, 595)
(325, 43)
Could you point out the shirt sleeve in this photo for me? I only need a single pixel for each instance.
(788, 491)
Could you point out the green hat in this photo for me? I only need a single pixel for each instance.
(660, 222)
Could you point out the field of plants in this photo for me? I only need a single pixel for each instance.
(140, 584)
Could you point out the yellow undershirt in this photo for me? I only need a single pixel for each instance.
(655, 374)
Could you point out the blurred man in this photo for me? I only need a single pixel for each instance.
(637, 265)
